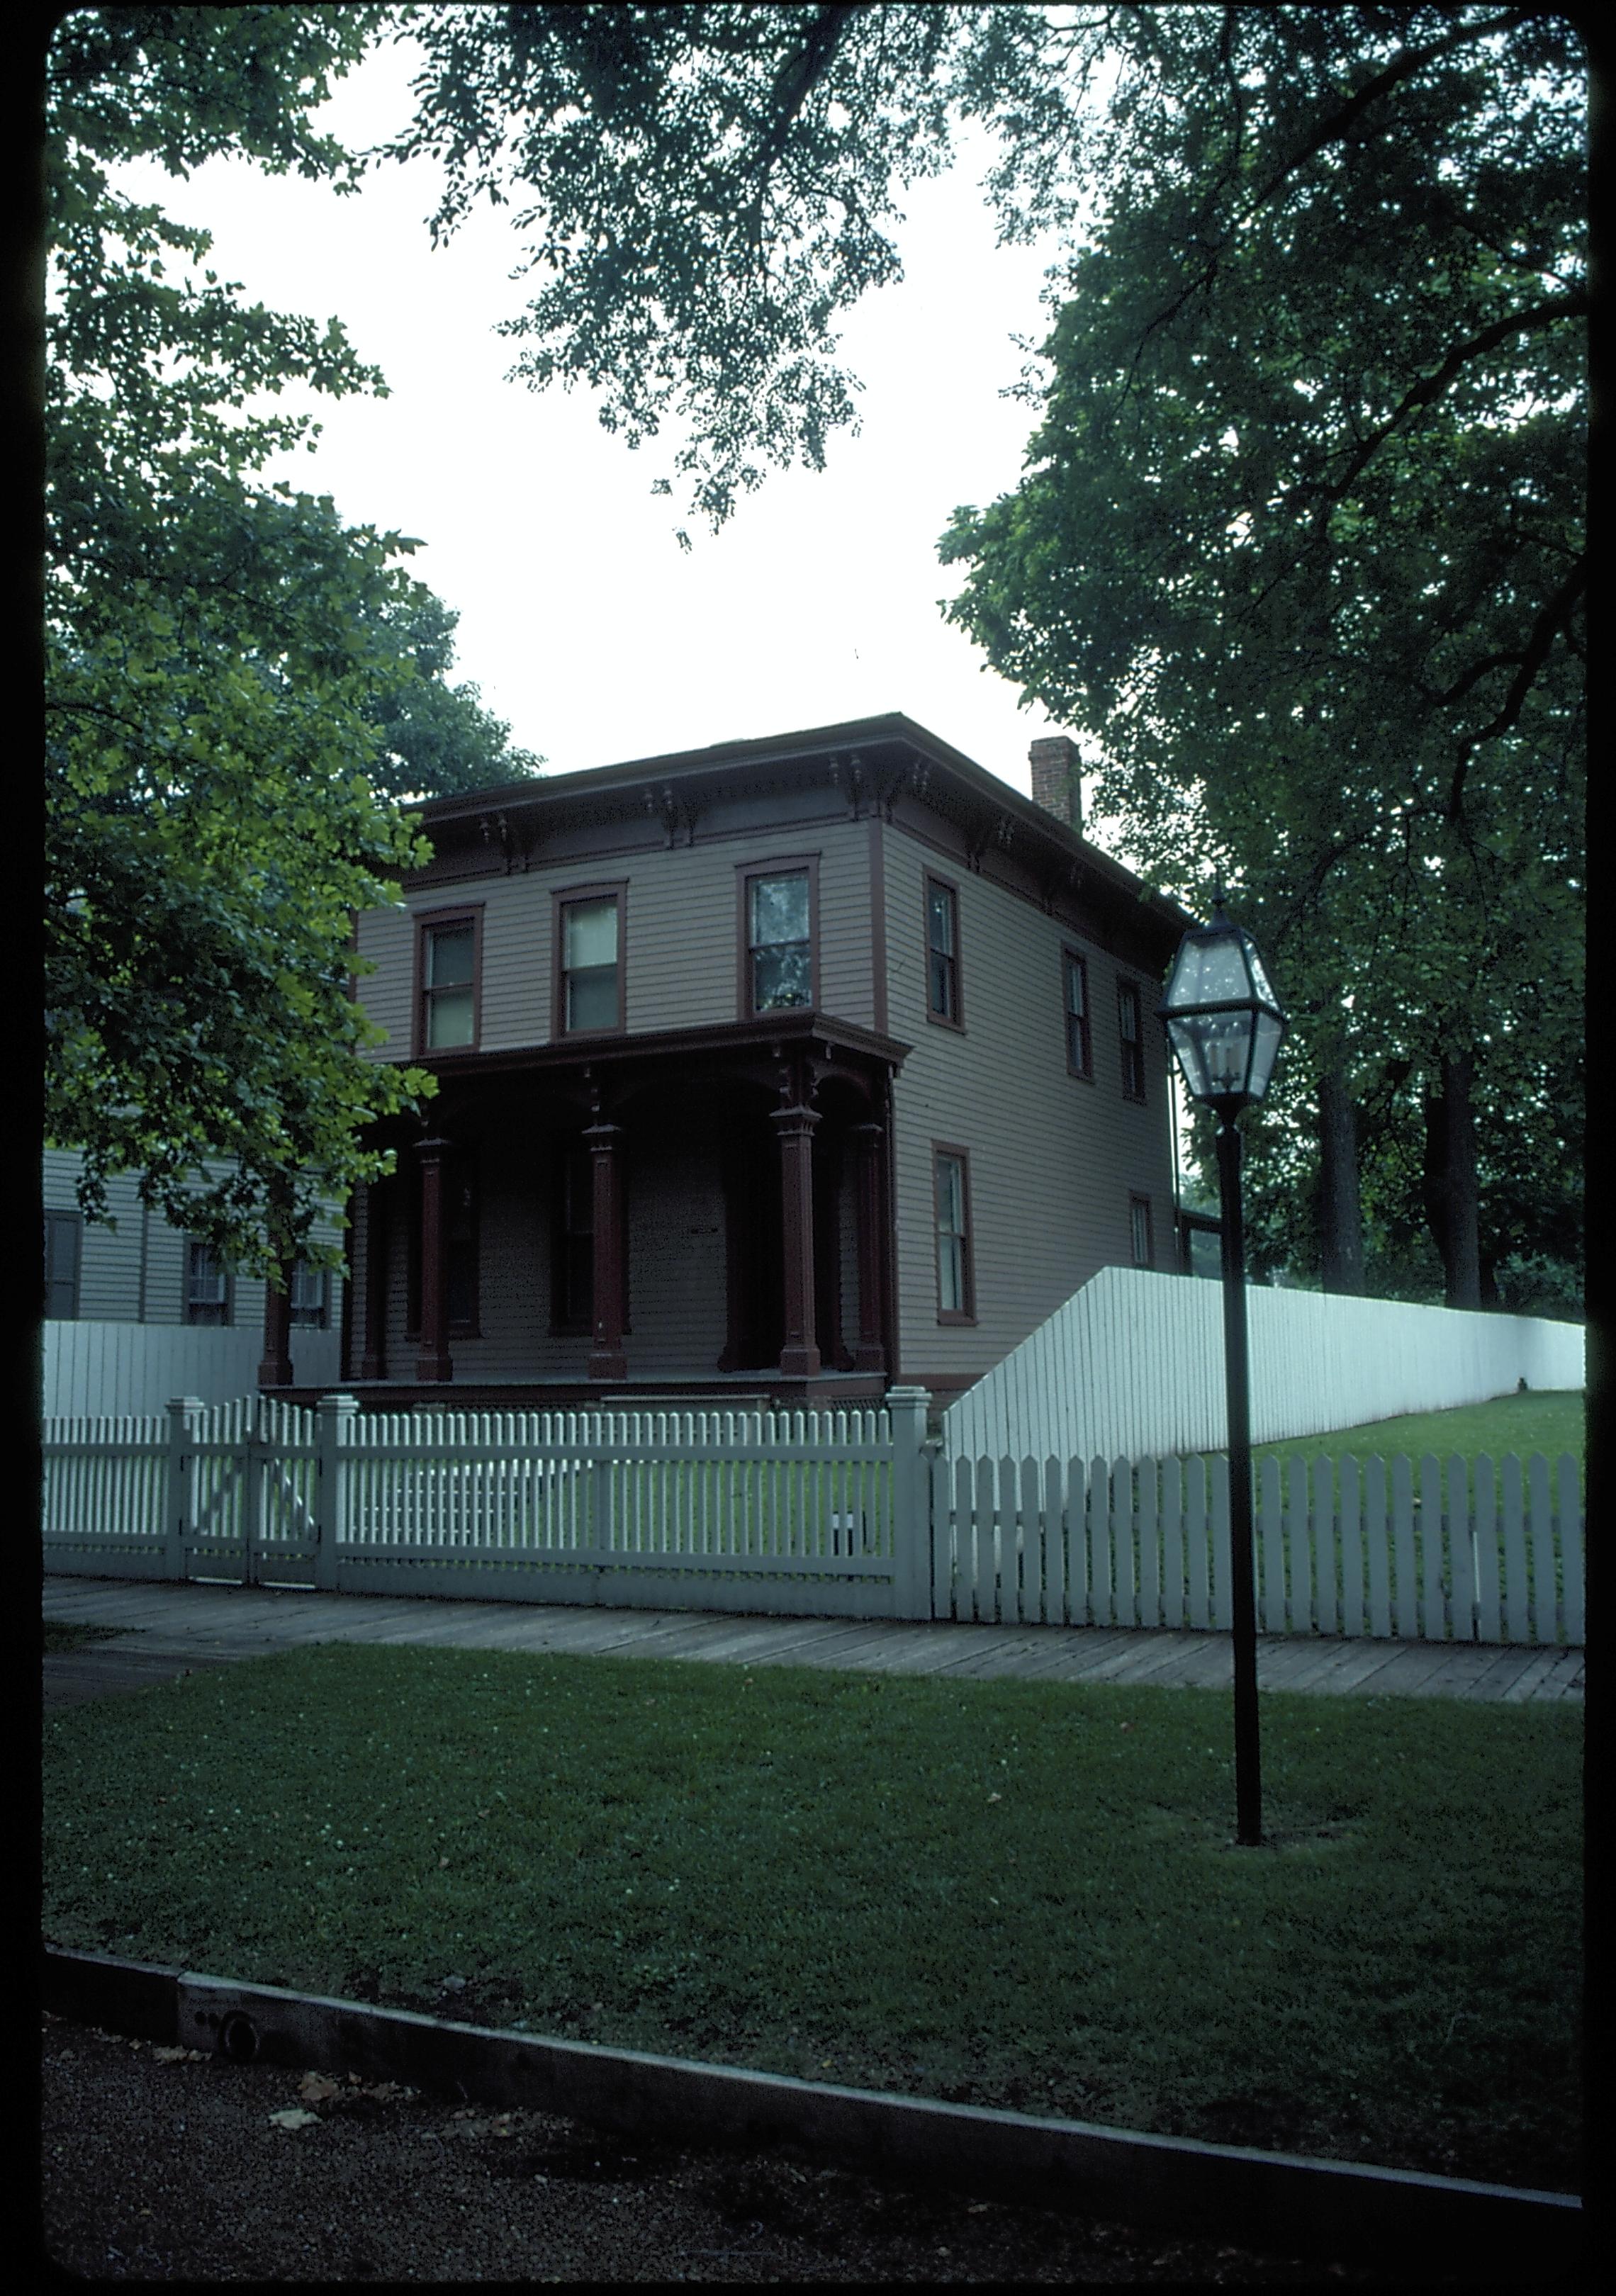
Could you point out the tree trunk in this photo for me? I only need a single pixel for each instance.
(1340, 1215)
(1452, 1195)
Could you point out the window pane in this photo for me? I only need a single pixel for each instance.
(940, 905)
(1142, 1232)
(780, 977)
(942, 985)
(589, 934)
(1129, 1001)
(951, 1274)
(1075, 1000)
(448, 955)
(592, 998)
(448, 1019)
(779, 912)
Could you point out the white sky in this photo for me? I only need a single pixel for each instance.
(582, 620)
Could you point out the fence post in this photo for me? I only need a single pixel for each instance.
(180, 1520)
(911, 1504)
(333, 1415)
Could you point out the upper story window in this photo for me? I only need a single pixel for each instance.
(942, 951)
(956, 1286)
(448, 970)
(63, 1242)
(1139, 1222)
(589, 960)
(1130, 1029)
(207, 1286)
(778, 918)
(309, 1297)
(1079, 1043)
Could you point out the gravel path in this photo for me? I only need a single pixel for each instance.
(164, 2164)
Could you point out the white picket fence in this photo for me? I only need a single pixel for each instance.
(822, 1513)
(1476, 1554)
(1132, 1365)
(132, 1369)
(792, 1512)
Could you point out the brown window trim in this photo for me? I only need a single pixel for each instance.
(785, 864)
(562, 897)
(966, 1314)
(956, 1018)
(1070, 956)
(1137, 1203)
(434, 921)
(1125, 988)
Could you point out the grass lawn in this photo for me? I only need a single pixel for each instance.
(1552, 1421)
(59, 1636)
(1005, 1893)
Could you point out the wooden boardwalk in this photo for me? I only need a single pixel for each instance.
(162, 1631)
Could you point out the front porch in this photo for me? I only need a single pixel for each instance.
(696, 1218)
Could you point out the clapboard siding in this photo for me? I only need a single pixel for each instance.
(111, 1263)
(1054, 1158)
(680, 932)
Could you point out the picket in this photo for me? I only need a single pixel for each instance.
(797, 1511)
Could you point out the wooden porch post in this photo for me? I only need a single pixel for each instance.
(607, 1359)
(372, 1362)
(795, 1124)
(433, 1361)
(870, 1353)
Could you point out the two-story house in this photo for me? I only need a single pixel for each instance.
(790, 1067)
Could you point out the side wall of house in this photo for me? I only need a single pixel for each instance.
(1054, 1158)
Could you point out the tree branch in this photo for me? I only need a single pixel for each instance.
(1545, 630)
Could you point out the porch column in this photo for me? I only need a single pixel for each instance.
(607, 1359)
(372, 1361)
(274, 1364)
(795, 1124)
(433, 1361)
(870, 1353)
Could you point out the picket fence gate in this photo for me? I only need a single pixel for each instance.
(846, 1512)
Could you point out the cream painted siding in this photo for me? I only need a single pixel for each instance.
(681, 967)
(1053, 1159)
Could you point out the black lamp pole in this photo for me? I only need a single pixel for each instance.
(1226, 1026)
(1243, 1576)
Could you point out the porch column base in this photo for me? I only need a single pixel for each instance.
(799, 1362)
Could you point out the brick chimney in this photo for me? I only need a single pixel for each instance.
(1058, 783)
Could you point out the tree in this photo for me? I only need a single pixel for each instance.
(238, 684)
(1300, 547)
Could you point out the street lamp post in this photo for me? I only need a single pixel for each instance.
(1226, 1026)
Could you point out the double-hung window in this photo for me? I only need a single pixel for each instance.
(942, 952)
(207, 1286)
(63, 1241)
(955, 1287)
(1139, 1222)
(589, 960)
(1130, 1029)
(1079, 1047)
(308, 1297)
(777, 911)
(447, 974)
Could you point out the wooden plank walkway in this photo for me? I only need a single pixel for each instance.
(162, 1630)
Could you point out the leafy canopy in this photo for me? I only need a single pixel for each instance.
(239, 685)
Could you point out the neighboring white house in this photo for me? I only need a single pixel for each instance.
(136, 1311)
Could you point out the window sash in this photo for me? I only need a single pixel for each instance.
(207, 1287)
(780, 940)
(1133, 1050)
(306, 1296)
(952, 1238)
(942, 951)
(590, 944)
(1079, 1054)
(449, 986)
(1139, 1213)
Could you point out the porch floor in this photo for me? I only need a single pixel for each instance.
(170, 1628)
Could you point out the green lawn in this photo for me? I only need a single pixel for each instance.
(57, 1635)
(1008, 1893)
(1552, 1421)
